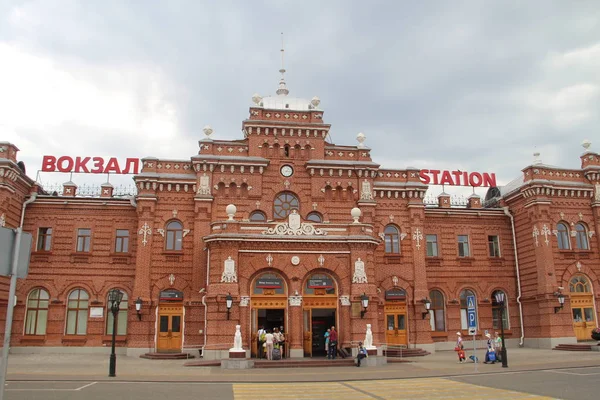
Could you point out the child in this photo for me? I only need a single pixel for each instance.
(362, 353)
(461, 356)
(327, 342)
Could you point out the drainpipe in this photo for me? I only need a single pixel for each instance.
(204, 299)
(512, 225)
(11, 295)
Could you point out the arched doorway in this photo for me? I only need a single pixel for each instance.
(170, 321)
(268, 306)
(395, 317)
(582, 307)
(320, 300)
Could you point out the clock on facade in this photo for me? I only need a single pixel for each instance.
(287, 171)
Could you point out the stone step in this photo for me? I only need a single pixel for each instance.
(203, 363)
(405, 353)
(573, 347)
(166, 356)
(301, 363)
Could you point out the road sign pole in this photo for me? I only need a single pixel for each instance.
(9, 311)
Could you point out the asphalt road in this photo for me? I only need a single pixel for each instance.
(573, 383)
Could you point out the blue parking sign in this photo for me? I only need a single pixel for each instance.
(471, 312)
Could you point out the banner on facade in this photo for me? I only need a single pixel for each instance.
(395, 294)
(320, 283)
(269, 283)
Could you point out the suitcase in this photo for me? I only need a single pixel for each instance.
(343, 353)
(474, 359)
(276, 354)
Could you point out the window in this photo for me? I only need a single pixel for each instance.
(77, 312)
(84, 237)
(494, 246)
(436, 312)
(463, 246)
(392, 242)
(122, 241)
(37, 312)
(121, 317)
(44, 242)
(579, 284)
(581, 236)
(174, 236)
(432, 245)
(496, 312)
(563, 237)
(464, 323)
(284, 204)
(258, 216)
(269, 283)
(314, 217)
(319, 284)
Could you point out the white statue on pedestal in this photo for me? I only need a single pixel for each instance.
(368, 342)
(237, 341)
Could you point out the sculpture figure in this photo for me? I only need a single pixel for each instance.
(368, 342)
(237, 341)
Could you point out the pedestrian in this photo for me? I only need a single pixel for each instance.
(269, 338)
(362, 353)
(327, 342)
(498, 343)
(459, 348)
(490, 355)
(333, 341)
(260, 338)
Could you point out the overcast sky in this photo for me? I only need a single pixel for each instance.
(476, 85)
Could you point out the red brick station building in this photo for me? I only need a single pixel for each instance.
(295, 231)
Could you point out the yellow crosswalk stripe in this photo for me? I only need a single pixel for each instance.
(431, 388)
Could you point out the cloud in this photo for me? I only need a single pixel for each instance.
(472, 85)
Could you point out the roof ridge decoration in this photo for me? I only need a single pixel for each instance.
(294, 227)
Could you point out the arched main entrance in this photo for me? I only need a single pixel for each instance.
(320, 300)
(170, 321)
(582, 307)
(395, 317)
(268, 306)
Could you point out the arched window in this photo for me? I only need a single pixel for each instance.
(436, 312)
(258, 216)
(77, 312)
(37, 312)
(581, 236)
(269, 283)
(579, 284)
(314, 217)
(319, 284)
(286, 150)
(121, 316)
(496, 312)
(284, 204)
(174, 233)
(563, 236)
(392, 240)
(464, 323)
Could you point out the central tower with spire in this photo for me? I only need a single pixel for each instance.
(283, 90)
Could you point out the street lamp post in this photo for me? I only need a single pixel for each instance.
(364, 300)
(500, 300)
(114, 298)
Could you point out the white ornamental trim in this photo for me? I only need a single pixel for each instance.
(546, 232)
(2, 220)
(244, 301)
(295, 301)
(229, 274)
(418, 236)
(285, 229)
(146, 231)
(535, 235)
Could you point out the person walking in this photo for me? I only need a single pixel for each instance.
(333, 341)
(498, 343)
(260, 341)
(327, 342)
(269, 338)
(362, 353)
(490, 355)
(460, 348)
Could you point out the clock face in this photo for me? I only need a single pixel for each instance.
(287, 171)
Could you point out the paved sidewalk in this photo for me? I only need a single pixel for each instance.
(65, 367)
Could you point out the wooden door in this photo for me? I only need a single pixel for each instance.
(307, 332)
(396, 324)
(170, 327)
(582, 310)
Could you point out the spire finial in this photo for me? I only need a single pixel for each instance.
(282, 87)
